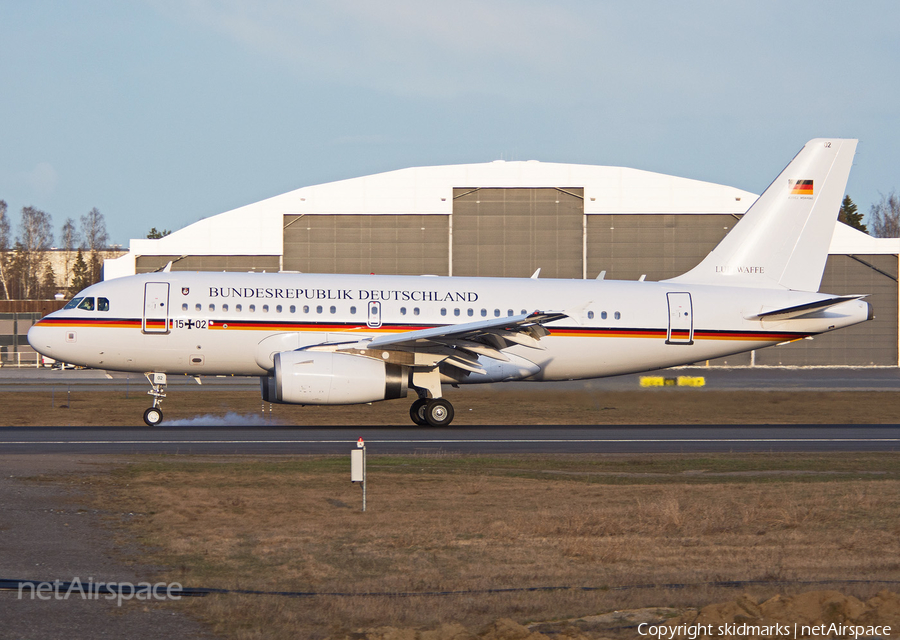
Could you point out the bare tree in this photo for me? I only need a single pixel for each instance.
(69, 239)
(5, 256)
(32, 245)
(885, 216)
(93, 229)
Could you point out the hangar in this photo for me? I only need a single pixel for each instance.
(508, 219)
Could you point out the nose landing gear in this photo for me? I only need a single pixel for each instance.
(154, 415)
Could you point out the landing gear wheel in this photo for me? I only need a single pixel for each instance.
(153, 416)
(417, 411)
(438, 412)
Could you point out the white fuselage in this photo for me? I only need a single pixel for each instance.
(214, 323)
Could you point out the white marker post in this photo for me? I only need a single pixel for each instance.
(358, 467)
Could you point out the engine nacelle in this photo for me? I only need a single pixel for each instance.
(324, 377)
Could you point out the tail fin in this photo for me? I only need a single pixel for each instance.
(782, 241)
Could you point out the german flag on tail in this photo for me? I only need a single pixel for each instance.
(801, 187)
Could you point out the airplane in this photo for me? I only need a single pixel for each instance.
(327, 339)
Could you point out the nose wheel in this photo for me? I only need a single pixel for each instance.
(434, 412)
(154, 415)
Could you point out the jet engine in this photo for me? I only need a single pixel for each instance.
(324, 377)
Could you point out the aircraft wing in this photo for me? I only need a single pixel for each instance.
(463, 343)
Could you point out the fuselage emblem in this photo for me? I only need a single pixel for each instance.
(185, 290)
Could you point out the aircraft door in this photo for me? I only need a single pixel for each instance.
(374, 320)
(156, 307)
(681, 319)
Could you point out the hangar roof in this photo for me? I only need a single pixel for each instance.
(256, 229)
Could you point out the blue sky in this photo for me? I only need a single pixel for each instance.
(162, 112)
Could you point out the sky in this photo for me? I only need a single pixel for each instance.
(162, 112)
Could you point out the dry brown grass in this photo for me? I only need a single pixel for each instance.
(473, 407)
(454, 524)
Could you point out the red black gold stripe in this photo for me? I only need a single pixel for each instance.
(73, 323)
(336, 327)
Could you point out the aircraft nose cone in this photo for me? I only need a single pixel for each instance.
(38, 338)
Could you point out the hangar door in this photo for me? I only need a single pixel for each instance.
(510, 232)
(397, 244)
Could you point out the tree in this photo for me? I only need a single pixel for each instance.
(849, 215)
(31, 248)
(93, 229)
(80, 276)
(885, 216)
(69, 240)
(5, 257)
(48, 283)
(155, 234)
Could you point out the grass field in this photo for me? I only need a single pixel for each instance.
(464, 523)
(473, 407)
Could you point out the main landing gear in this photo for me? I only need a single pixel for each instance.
(154, 415)
(434, 412)
(430, 409)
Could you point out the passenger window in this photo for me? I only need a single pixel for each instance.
(416, 311)
(471, 312)
(444, 311)
(603, 315)
(198, 307)
(224, 307)
(484, 313)
(265, 308)
(184, 307)
(590, 315)
(73, 303)
(509, 312)
(402, 311)
(87, 304)
(293, 308)
(102, 304)
(524, 312)
(278, 308)
(332, 309)
(238, 308)
(496, 313)
(306, 308)
(251, 308)
(353, 310)
(618, 315)
(456, 312)
(319, 309)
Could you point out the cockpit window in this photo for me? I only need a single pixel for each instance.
(73, 303)
(102, 304)
(87, 304)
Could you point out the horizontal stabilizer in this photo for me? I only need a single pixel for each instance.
(803, 309)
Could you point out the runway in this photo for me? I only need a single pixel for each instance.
(716, 378)
(469, 440)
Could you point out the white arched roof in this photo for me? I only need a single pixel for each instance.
(256, 229)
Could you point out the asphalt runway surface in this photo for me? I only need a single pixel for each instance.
(470, 440)
(27, 379)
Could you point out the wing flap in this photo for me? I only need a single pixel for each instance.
(525, 329)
